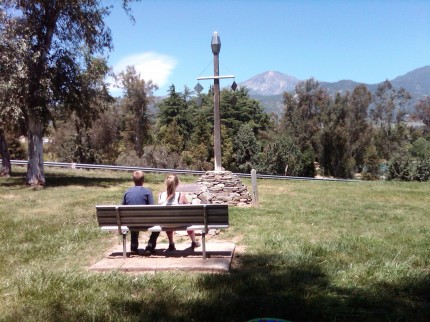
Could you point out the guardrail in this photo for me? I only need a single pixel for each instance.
(175, 171)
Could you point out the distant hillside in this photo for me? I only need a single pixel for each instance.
(416, 82)
(270, 83)
(342, 86)
(271, 103)
(268, 87)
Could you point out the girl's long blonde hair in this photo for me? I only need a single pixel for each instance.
(172, 181)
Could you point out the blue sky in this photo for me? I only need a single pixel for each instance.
(365, 41)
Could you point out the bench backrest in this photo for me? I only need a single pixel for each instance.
(146, 216)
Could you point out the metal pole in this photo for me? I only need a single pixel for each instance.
(255, 202)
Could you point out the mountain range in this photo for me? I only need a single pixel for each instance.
(269, 86)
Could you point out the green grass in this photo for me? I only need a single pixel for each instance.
(312, 251)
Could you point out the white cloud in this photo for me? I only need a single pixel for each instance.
(150, 65)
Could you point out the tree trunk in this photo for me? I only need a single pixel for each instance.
(6, 169)
(35, 170)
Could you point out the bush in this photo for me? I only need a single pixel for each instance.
(130, 158)
(371, 164)
(400, 168)
(195, 159)
(155, 156)
(423, 170)
(17, 150)
(406, 168)
(283, 151)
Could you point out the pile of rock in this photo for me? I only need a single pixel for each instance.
(224, 187)
(196, 194)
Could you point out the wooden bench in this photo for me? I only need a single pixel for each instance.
(153, 218)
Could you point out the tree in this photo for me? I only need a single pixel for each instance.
(138, 95)
(59, 45)
(421, 149)
(371, 163)
(237, 109)
(158, 156)
(302, 112)
(187, 93)
(200, 145)
(93, 100)
(345, 133)
(174, 109)
(5, 157)
(334, 139)
(105, 135)
(173, 139)
(63, 145)
(186, 127)
(282, 151)
(359, 130)
(388, 114)
(423, 111)
(245, 147)
(226, 148)
(12, 87)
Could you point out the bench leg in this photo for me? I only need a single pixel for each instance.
(124, 245)
(204, 244)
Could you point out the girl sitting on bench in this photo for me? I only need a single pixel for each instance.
(171, 197)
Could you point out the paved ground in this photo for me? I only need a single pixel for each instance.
(219, 257)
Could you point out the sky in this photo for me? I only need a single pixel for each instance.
(366, 41)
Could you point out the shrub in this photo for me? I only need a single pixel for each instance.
(17, 150)
(400, 168)
(158, 156)
(281, 152)
(406, 168)
(371, 164)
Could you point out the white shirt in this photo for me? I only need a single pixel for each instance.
(173, 201)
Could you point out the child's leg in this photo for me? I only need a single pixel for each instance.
(192, 235)
(170, 236)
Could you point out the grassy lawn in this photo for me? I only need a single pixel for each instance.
(312, 251)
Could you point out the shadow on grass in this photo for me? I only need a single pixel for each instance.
(54, 180)
(304, 293)
(266, 286)
(58, 180)
(297, 293)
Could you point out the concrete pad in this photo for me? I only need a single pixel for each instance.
(219, 256)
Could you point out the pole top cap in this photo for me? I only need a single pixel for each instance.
(216, 43)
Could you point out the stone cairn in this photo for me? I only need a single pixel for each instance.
(222, 187)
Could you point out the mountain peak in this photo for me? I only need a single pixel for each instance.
(270, 83)
(417, 82)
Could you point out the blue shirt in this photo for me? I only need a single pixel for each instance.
(138, 195)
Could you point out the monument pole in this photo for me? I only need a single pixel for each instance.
(223, 186)
(216, 47)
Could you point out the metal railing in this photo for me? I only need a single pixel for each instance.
(175, 171)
